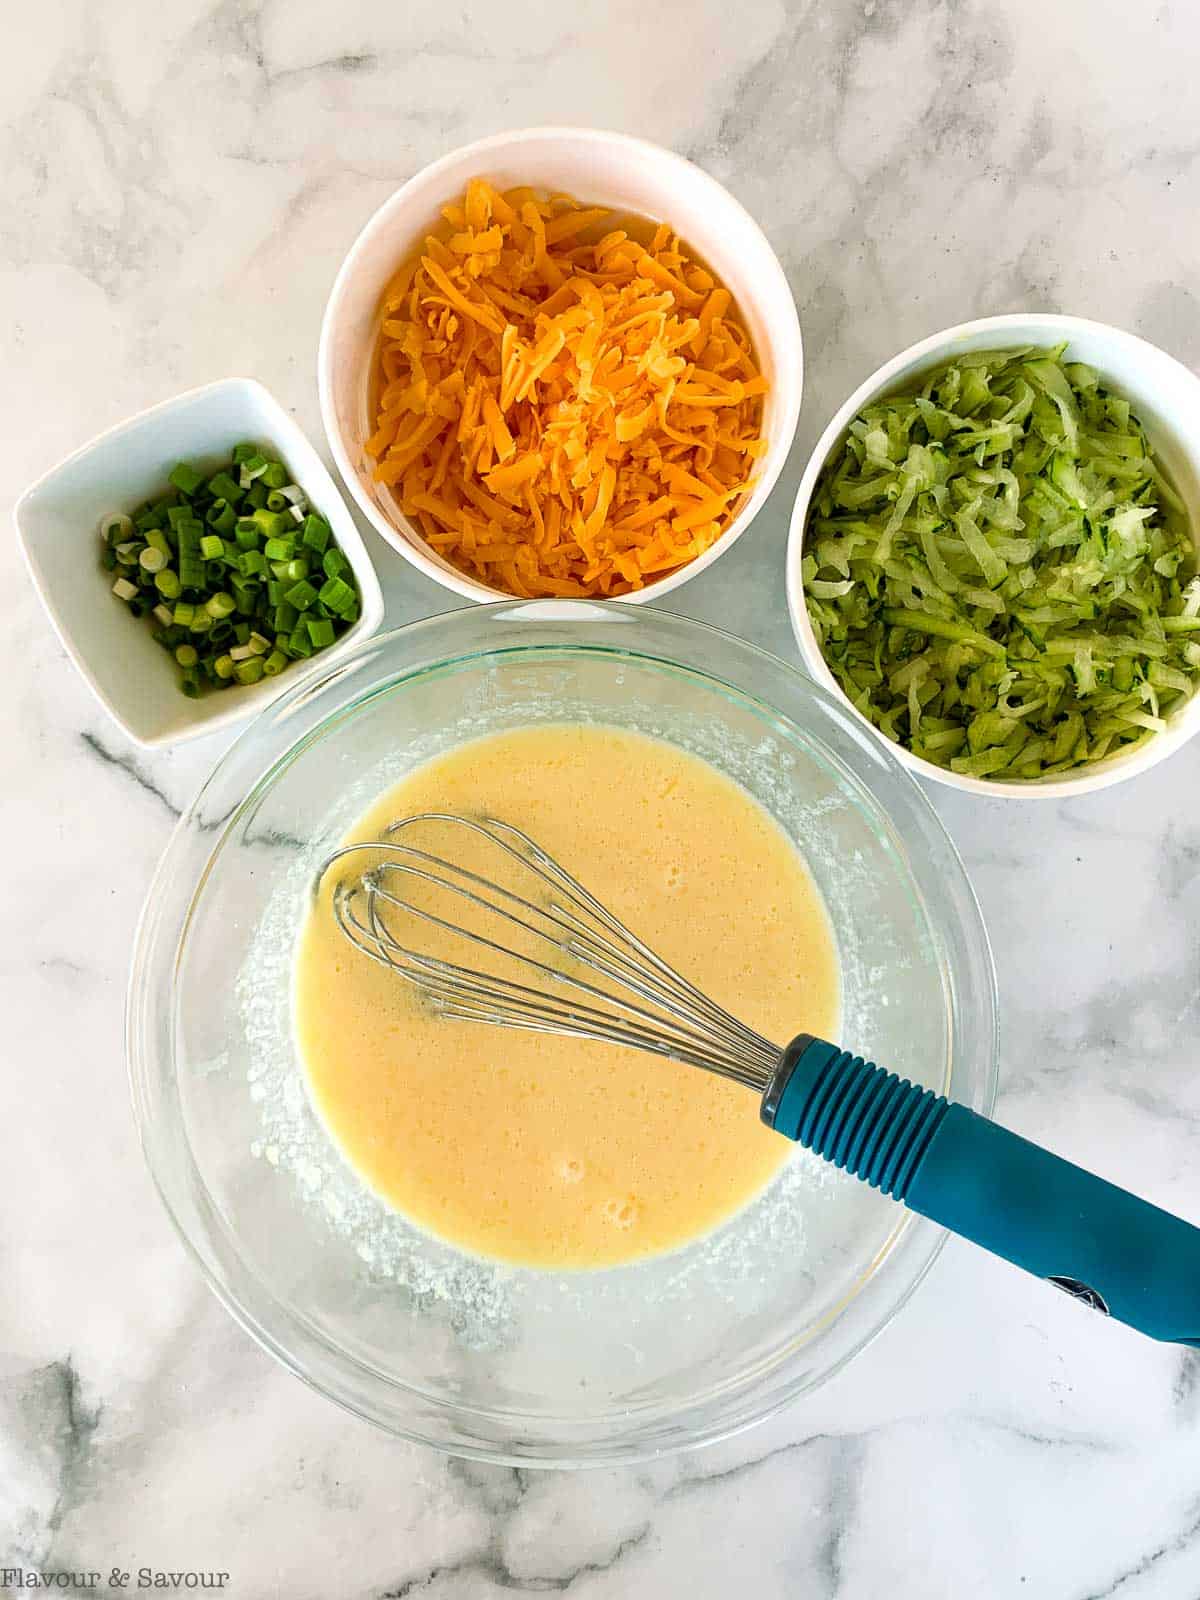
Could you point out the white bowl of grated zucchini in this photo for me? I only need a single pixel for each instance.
(993, 556)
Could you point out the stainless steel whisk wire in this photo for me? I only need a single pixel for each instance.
(600, 981)
(661, 1013)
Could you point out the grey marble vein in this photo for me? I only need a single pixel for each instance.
(180, 181)
(131, 767)
(492, 1568)
(42, 1413)
(1184, 1545)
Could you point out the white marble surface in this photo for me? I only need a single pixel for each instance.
(180, 179)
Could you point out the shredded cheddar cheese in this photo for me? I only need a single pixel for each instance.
(559, 416)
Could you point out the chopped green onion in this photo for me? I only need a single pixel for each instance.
(185, 478)
(223, 487)
(271, 524)
(237, 542)
(115, 526)
(317, 532)
(222, 518)
(335, 594)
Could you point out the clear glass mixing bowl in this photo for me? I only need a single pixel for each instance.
(522, 1366)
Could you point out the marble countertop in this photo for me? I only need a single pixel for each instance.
(180, 180)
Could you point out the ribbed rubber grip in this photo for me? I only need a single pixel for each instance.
(856, 1115)
(1111, 1250)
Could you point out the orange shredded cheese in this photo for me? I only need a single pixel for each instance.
(562, 409)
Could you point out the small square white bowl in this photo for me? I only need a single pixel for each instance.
(57, 521)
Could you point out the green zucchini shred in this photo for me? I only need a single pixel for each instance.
(998, 573)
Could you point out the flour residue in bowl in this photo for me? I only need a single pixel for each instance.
(551, 1152)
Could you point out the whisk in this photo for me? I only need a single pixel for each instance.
(553, 959)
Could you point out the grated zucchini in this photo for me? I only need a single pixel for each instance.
(998, 573)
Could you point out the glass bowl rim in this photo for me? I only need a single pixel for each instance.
(435, 1420)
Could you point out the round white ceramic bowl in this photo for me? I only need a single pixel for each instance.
(1164, 394)
(609, 169)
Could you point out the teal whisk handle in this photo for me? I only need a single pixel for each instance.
(1115, 1252)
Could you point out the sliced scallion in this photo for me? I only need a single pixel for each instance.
(215, 561)
(115, 526)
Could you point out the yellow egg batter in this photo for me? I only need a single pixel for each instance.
(555, 1152)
